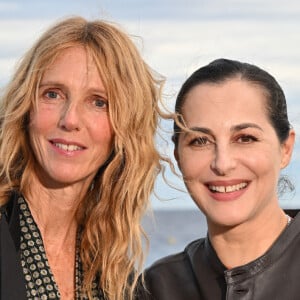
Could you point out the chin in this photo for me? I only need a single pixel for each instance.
(223, 219)
(62, 180)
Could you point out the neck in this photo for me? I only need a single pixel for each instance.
(241, 244)
(55, 209)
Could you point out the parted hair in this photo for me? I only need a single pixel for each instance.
(111, 211)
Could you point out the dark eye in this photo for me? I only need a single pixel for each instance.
(200, 141)
(246, 139)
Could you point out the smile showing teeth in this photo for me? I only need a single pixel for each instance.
(227, 189)
(69, 148)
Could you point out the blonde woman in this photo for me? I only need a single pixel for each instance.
(78, 164)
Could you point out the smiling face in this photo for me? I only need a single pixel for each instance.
(232, 158)
(70, 131)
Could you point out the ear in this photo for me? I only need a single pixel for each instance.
(287, 149)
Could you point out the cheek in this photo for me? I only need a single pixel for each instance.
(102, 131)
(265, 169)
(41, 124)
(35, 127)
(40, 121)
(192, 165)
(36, 130)
(265, 161)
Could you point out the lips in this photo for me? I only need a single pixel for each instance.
(67, 145)
(227, 188)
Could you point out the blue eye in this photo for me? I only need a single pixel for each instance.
(100, 103)
(51, 95)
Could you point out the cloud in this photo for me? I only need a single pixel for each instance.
(176, 37)
(8, 7)
(201, 10)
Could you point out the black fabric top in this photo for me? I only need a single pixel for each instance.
(198, 274)
(25, 271)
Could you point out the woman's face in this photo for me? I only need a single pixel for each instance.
(70, 131)
(231, 161)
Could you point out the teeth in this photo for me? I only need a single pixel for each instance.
(227, 189)
(67, 147)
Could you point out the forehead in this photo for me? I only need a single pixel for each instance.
(73, 65)
(67, 57)
(232, 99)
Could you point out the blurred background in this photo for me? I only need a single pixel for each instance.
(175, 37)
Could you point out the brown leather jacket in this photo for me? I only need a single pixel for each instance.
(197, 273)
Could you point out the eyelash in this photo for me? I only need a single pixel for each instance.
(51, 92)
(104, 103)
(48, 94)
(205, 141)
(248, 137)
(200, 141)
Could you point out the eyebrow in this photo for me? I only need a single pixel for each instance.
(51, 83)
(232, 128)
(244, 126)
(202, 129)
(61, 85)
(199, 129)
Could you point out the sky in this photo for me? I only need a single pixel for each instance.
(176, 37)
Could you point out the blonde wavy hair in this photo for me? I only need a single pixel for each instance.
(111, 247)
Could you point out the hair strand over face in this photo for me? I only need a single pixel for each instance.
(221, 70)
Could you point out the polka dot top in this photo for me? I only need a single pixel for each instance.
(40, 282)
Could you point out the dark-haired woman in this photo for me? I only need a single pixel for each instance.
(232, 138)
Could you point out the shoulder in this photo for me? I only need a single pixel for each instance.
(164, 277)
(175, 265)
(9, 205)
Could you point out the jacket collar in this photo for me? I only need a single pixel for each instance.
(201, 253)
(12, 277)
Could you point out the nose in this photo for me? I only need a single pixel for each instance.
(70, 118)
(223, 161)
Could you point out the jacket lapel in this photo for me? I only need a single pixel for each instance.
(12, 278)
